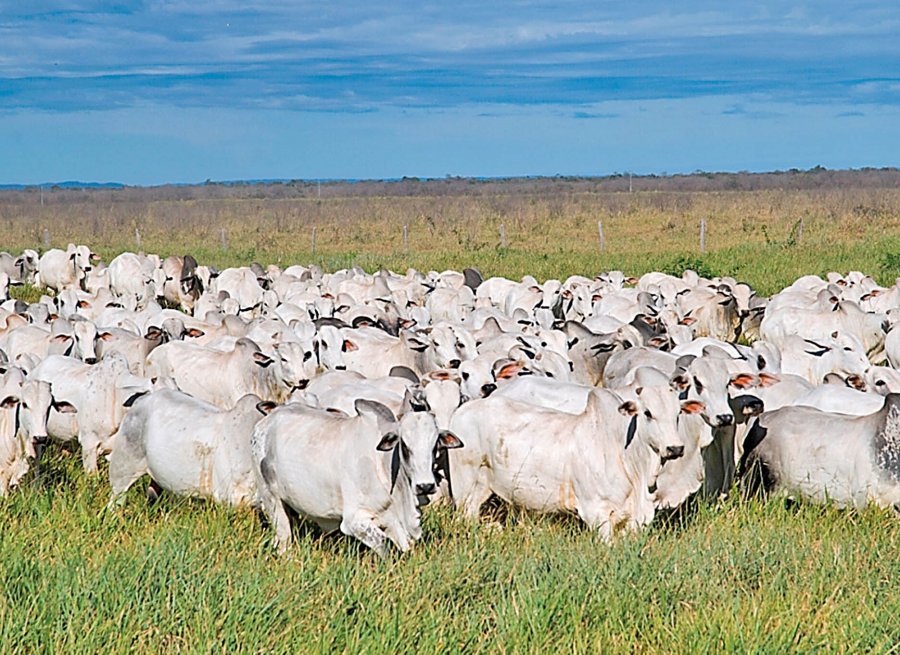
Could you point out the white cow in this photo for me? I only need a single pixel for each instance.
(97, 392)
(220, 378)
(826, 457)
(360, 474)
(187, 446)
(598, 464)
(64, 269)
(24, 406)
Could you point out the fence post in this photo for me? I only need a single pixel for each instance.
(602, 237)
(406, 238)
(314, 240)
(503, 243)
(702, 235)
(137, 238)
(223, 238)
(46, 239)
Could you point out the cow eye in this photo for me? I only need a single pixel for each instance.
(465, 376)
(879, 383)
(698, 386)
(306, 356)
(460, 345)
(25, 405)
(848, 348)
(648, 414)
(437, 345)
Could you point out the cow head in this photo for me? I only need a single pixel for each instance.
(296, 364)
(330, 346)
(415, 443)
(442, 392)
(37, 400)
(708, 381)
(655, 411)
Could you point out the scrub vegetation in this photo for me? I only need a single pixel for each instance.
(743, 575)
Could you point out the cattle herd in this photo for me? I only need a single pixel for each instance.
(354, 400)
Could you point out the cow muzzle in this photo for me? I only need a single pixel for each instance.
(723, 420)
(673, 452)
(40, 440)
(425, 489)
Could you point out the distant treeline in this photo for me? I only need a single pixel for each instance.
(817, 178)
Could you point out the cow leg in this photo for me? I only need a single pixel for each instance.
(400, 534)
(90, 445)
(274, 510)
(471, 488)
(126, 465)
(362, 527)
(600, 518)
(470, 501)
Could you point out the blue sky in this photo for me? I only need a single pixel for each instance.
(185, 90)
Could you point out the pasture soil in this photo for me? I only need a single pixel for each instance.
(183, 576)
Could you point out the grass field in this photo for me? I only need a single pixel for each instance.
(180, 576)
(753, 235)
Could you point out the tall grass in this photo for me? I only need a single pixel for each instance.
(752, 235)
(183, 576)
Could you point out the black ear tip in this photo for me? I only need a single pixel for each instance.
(265, 407)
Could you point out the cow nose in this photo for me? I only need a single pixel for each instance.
(90, 360)
(454, 363)
(724, 419)
(488, 389)
(674, 452)
(40, 439)
(425, 489)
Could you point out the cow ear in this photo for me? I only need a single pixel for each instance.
(9, 402)
(265, 407)
(349, 347)
(64, 407)
(743, 381)
(448, 440)
(152, 333)
(628, 408)
(133, 398)
(104, 336)
(388, 442)
(509, 370)
(262, 360)
(687, 320)
(61, 338)
(692, 407)
(194, 333)
(416, 344)
(657, 342)
(680, 382)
